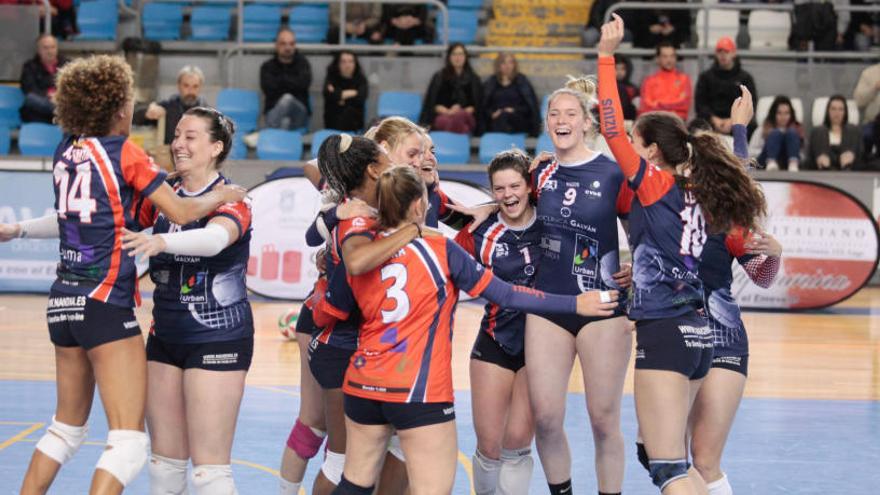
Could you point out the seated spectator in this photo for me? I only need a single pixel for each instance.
(509, 101)
(189, 85)
(719, 86)
(404, 24)
(453, 95)
(653, 26)
(63, 14)
(628, 91)
(867, 93)
(362, 22)
(38, 81)
(863, 30)
(345, 93)
(285, 80)
(836, 144)
(668, 89)
(778, 143)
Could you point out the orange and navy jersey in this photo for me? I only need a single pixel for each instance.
(100, 184)
(513, 254)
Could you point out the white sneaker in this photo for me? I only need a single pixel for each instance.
(772, 166)
(251, 139)
(793, 166)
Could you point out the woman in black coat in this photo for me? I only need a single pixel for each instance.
(509, 101)
(836, 144)
(454, 96)
(345, 93)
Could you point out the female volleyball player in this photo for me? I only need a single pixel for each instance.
(100, 178)
(668, 231)
(202, 338)
(400, 376)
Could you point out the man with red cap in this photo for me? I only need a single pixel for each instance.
(719, 86)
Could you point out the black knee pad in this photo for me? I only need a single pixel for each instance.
(665, 472)
(643, 456)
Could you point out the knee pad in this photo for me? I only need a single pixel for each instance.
(486, 473)
(665, 472)
(643, 456)
(332, 467)
(516, 472)
(346, 487)
(304, 440)
(213, 479)
(125, 455)
(167, 476)
(61, 441)
(394, 448)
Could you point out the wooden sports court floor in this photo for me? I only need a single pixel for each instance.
(810, 423)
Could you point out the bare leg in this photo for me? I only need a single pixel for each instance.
(365, 451)
(392, 479)
(712, 417)
(166, 411)
(212, 399)
(431, 453)
(75, 384)
(491, 389)
(336, 431)
(311, 414)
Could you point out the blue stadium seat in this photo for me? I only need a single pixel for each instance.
(97, 20)
(462, 26)
(463, 35)
(239, 150)
(319, 136)
(210, 23)
(162, 21)
(545, 101)
(310, 13)
(11, 100)
(450, 147)
(36, 139)
(261, 22)
(402, 103)
(4, 140)
(465, 4)
(309, 33)
(493, 143)
(545, 143)
(277, 144)
(241, 105)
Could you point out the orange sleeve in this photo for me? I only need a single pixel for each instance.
(482, 283)
(139, 170)
(651, 183)
(624, 199)
(735, 241)
(147, 214)
(611, 119)
(465, 239)
(239, 212)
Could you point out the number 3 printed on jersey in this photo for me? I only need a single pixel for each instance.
(693, 236)
(75, 195)
(396, 292)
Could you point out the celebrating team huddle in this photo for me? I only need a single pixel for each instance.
(375, 334)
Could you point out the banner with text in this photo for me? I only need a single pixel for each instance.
(26, 265)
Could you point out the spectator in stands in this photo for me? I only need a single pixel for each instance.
(652, 26)
(719, 86)
(628, 91)
(345, 93)
(63, 15)
(362, 22)
(189, 84)
(453, 96)
(817, 21)
(836, 144)
(509, 100)
(778, 143)
(863, 31)
(405, 24)
(597, 18)
(38, 81)
(867, 93)
(871, 157)
(668, 89)
(285, 80)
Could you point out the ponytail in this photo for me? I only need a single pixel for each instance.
(343, 161)
(398, 187)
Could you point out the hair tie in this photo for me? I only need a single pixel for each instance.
(344, 142)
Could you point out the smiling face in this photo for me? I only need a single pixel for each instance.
(192, 149)
(566, 122)
(511, 191)
(409, 151)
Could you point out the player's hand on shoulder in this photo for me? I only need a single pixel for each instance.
(479, 213)
(9, 231)
(429, 232)
(542, 157)
(139, 243)
(597, 303)
(355, 208)
(231, 193)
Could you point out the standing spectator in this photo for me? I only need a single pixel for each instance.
(453, 95)
(362, 21)
(778, 143)
(864, 28)
(836, 144)
(189, 84)
(38, 81)
(653, 26)
(867, 93)
(509, 100)
(345, 93)
(629, 92)
(597, 17)
(285, 80)
(719, 86)
(817, 21)
(667, 89)
(406, 24)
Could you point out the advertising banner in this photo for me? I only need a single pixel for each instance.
(26, 265)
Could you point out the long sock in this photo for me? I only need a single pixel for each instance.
(563, 488)
(720, 486)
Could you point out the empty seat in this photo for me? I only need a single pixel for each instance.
(465, 4)
(162, 21)
(36, 139)
(821, 103)
(239, 149)
(493, 143)
(765, 102)
(721, 23)
(450, 147)
(545, 143)
(4, 140)
(308, 33)
(241, 105)
(319, 136)
(97, 20)
(402, 103)
(769, 29)
(462, 26)
(545, 102)
(210, 23)
(310, 13)
(261, 22)
(11, 100)
(277, 144)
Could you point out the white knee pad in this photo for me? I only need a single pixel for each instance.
(61, 441)
(213, 479)
(516, 472)
(395, 449)
(125, 455)
(332, 467)
(720, 486)
(485, 473)
(167, 476)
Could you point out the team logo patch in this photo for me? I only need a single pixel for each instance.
(586, 257)
(193, 287)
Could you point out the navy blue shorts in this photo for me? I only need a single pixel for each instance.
(740, 364)
(231, 355)
(487, 349)
(328, 364)
(80, 321)
(573, 324)
(681, 343)
(400, 415)
(305, 323)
